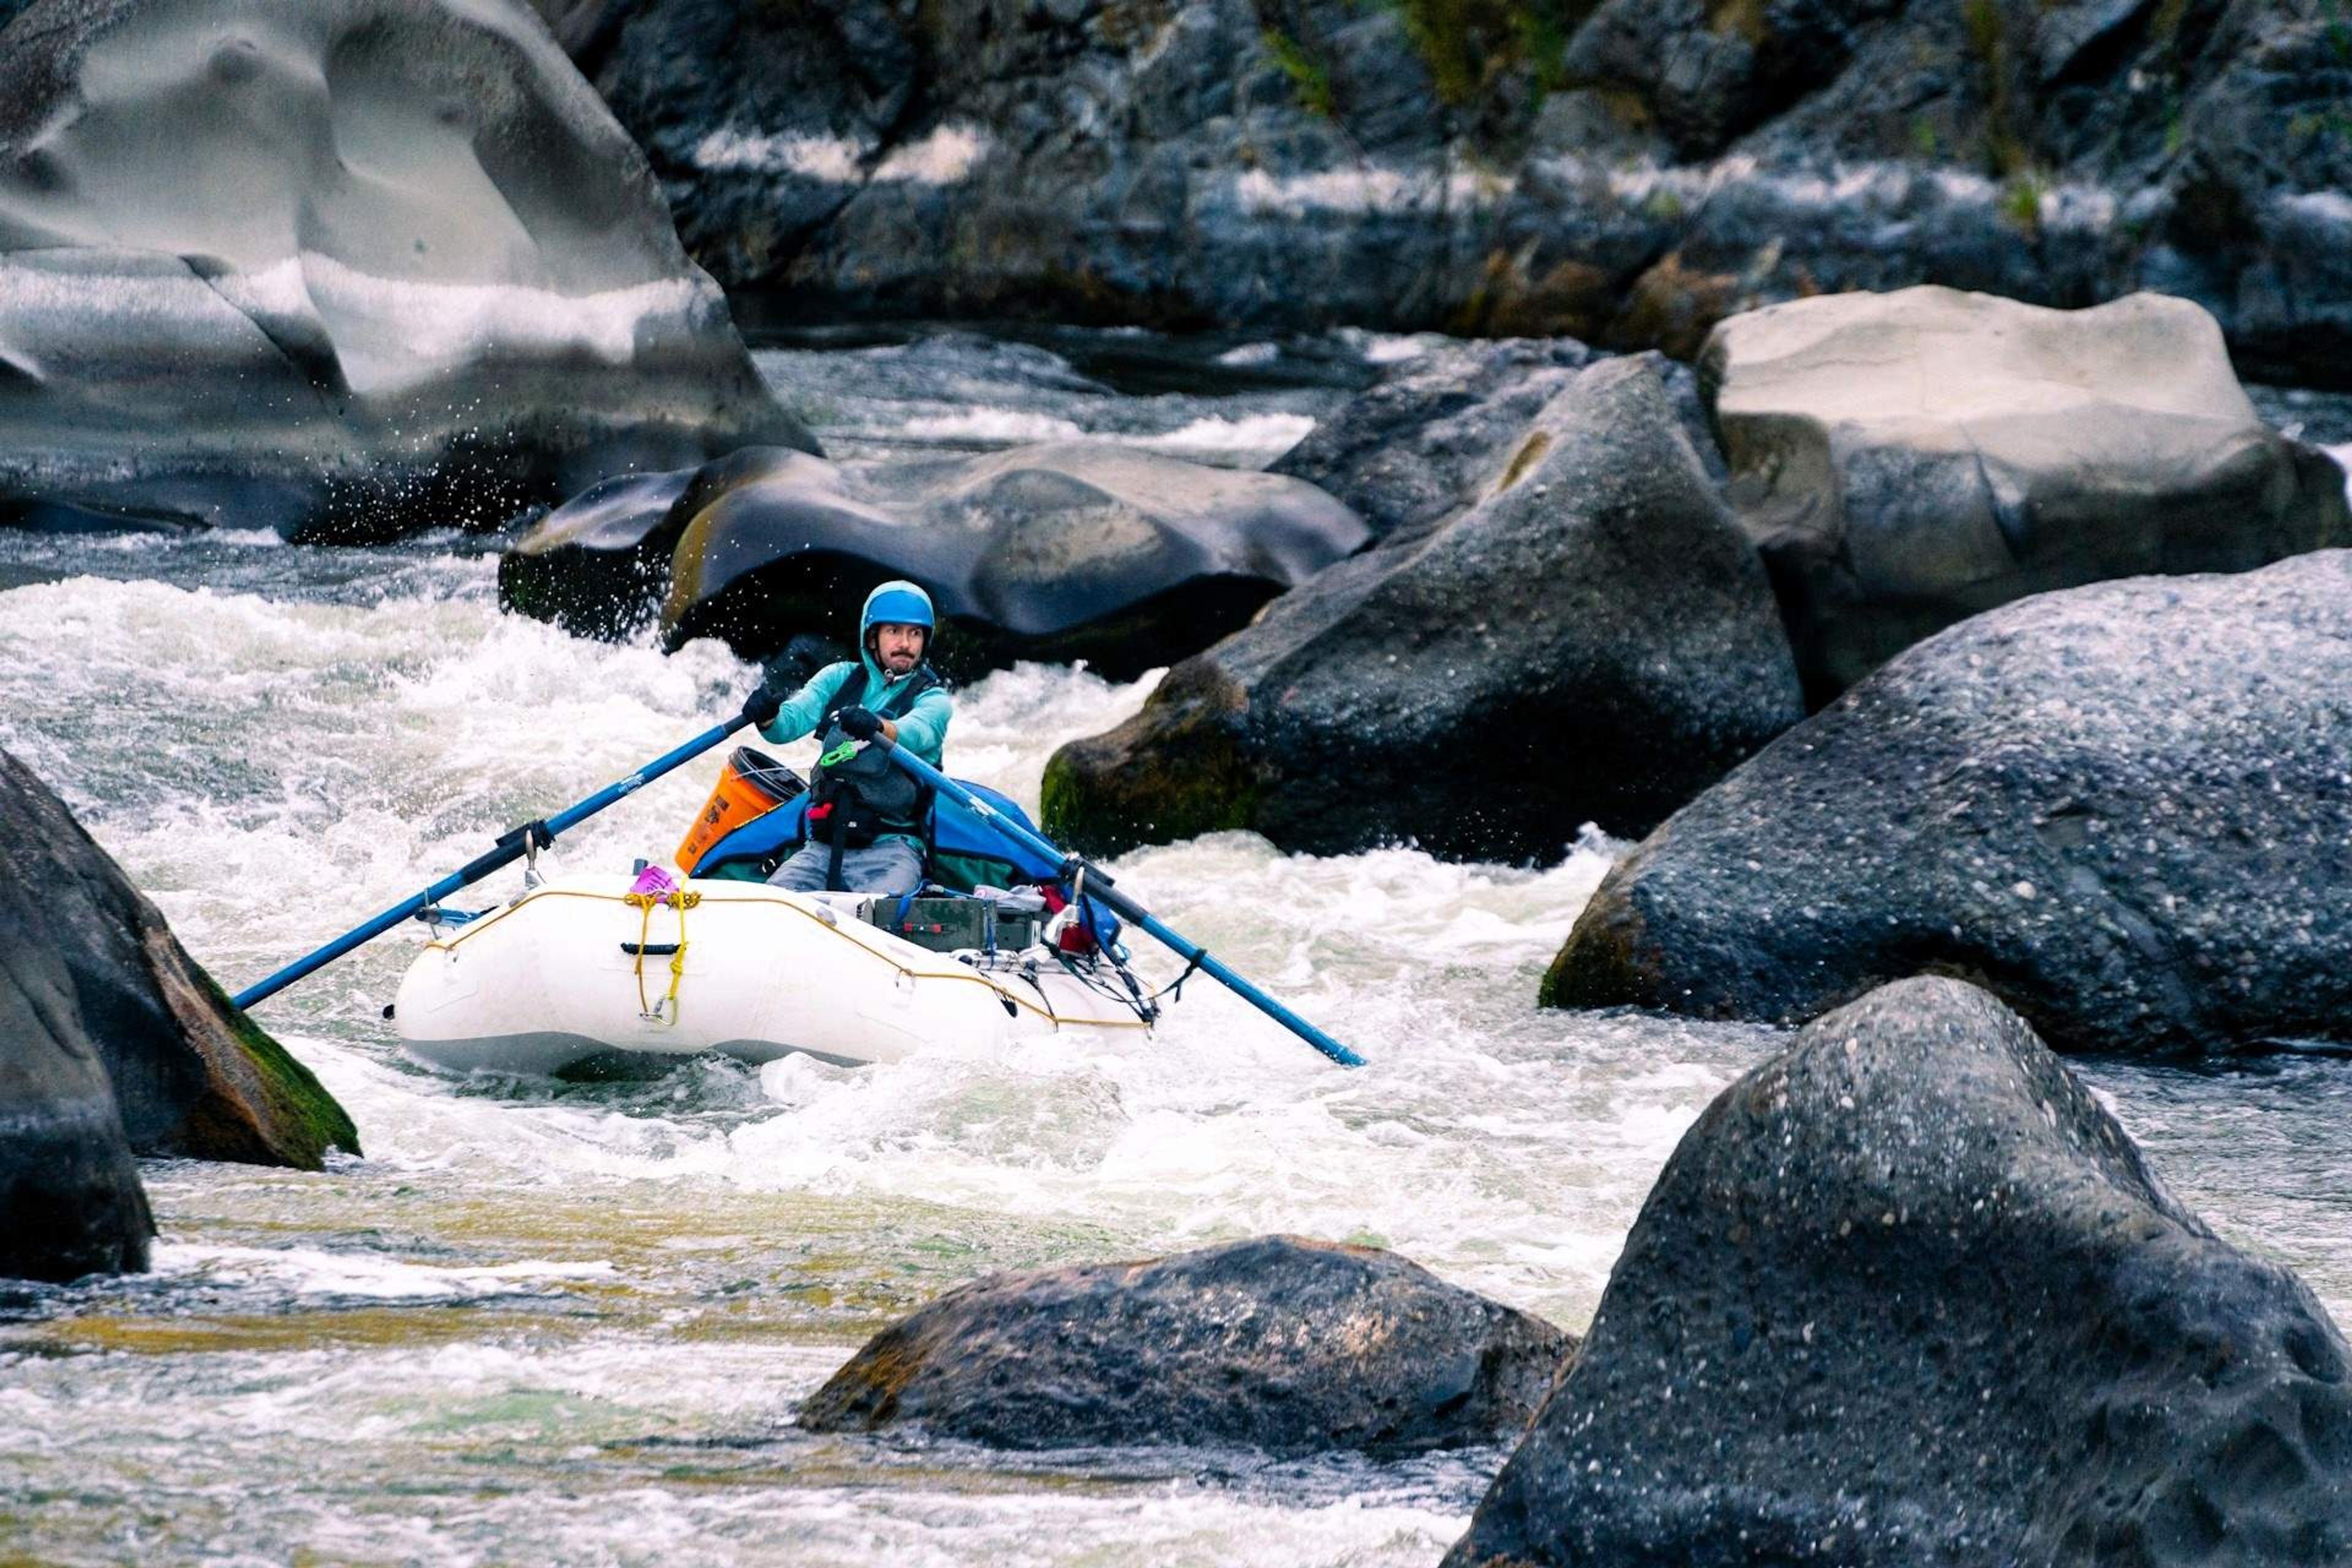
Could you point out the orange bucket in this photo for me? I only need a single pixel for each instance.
(751, 785)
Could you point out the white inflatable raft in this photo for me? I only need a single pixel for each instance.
(581, 967)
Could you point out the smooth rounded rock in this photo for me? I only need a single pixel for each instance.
(1592, 641)
(2122, 808)
(1059, 551)
(1906, 460)
(191, 1075)
(1279, 1343)
(340, 268)
(1907, 1294)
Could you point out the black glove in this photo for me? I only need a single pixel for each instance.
(762, 705)
(858, 724)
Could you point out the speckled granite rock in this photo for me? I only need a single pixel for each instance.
(2121, 809)
(1907, 1295)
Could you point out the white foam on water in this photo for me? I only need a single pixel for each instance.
(301, 766)
(1261, 436)
(2343, 455)
(1004, 427)
(1251, 355)
(273, 771)
(1389, 348)
(309, 1272)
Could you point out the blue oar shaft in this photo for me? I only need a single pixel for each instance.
(1098, 886)
(511, 848)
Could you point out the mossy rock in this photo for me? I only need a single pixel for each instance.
(193, 1076)
(1179, 768)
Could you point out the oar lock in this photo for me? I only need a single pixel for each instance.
(534, 835)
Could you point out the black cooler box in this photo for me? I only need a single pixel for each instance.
(951, 925)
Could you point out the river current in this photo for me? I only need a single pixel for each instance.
(572, 1323)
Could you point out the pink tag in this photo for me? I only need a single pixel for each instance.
(653, 880)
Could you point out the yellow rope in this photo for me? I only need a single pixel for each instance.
(666, 1010)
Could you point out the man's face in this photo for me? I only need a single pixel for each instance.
(897, 646)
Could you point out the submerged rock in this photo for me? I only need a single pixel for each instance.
(1907, 1294)
(2121, 808)
(1592, 641)
(190, 1074)
(1906, 460)
(340, 268)
(1279, 1343)
(1064, 550)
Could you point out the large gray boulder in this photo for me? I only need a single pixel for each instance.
(189, 1075)
(1906, 460)
(1907, 1294)
(338, 268)
(1592, 641)
(1279, 1343)
(1424, 444)
(1063, 551)
(2121, 808)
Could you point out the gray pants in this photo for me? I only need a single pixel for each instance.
(886, 865)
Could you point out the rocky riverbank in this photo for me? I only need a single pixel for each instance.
(1625, 172)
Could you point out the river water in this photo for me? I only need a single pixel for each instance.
(572, 1322)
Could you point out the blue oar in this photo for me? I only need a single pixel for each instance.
(1098, 886)
(512, 847)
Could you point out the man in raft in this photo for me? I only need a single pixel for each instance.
(867, 819)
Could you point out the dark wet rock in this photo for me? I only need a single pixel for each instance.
(1064, 550)
(70, 1201)
(365, 265)
(2121, 808)
(1172, 163)
(1592, 641)
(599, 564)
(1906, 460)
(1626, 173)
(191, 1075)
(1279, 1343)
(1907, 1294)
(1424, 444)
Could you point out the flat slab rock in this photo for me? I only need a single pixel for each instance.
(1278, 1343)
(2121, 808)
(1906, 460)
(1907, 1295)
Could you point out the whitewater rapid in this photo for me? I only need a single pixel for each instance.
(571, 1321)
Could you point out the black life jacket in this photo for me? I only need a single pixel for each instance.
(856, 800)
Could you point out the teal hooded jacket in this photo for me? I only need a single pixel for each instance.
(922, 728)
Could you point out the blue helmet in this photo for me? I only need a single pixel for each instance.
(898, 603)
